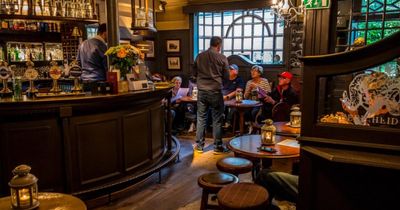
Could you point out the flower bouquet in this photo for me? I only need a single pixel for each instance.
(123, 57)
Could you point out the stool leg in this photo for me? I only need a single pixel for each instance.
(204, 200)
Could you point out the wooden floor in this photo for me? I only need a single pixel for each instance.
(179, 189)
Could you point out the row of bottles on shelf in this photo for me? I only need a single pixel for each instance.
(56, 8)
(30, 25)
(19, 52)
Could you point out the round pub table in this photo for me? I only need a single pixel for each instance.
(51, 201)
(241, 108)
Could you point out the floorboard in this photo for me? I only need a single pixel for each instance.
(178, 188)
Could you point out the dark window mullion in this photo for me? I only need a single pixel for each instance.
(242, 35)
(252, 37)
(204, 31)
(383, 18)
(366, 23)
(262, 34)
(274, 39)
(212, 24)
(233, 34)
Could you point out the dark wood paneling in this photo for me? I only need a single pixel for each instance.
(98, 140)
(185, 53)
(136, 139)
(320, 31)
(35, 143)
(157, 126)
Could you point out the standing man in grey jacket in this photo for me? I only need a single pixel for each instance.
(210, 68)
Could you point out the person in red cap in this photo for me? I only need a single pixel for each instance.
(283, 93)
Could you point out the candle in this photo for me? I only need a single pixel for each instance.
(24, 197)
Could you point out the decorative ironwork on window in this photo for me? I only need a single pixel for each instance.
(256, 34)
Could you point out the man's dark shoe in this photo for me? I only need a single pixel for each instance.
(221, 149)
(198, 148)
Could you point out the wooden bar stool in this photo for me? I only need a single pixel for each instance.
(243, 196)
(234, 165)
(212, 183)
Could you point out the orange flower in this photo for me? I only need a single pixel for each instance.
(121, 53)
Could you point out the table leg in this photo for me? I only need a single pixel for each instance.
(241, 114)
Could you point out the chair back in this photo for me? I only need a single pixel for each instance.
(281, 112)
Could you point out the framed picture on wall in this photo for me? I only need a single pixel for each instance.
(174, 63)
(174, 45)
(150, 53)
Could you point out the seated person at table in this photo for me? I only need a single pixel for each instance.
(282, 93)
(280, 185)
(177, 110)
(230, 86)
(256, 88)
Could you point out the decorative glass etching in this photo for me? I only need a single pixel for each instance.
(368, 98)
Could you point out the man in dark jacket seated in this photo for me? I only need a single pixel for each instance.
(282, 95)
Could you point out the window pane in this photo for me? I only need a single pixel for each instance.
(389, 32)
(258, 29)
(208, 18)
(201, 20)
(237, 44)
(279, 43)
(217, 30)
(206, 43)
(258, 57)
(278, 57)
(374, 36)
(268, 43)
(230, 32)
(247, 30)
(279, 28)
(374, 25)
(217, 18)
(237, 31)
(228, 18)
(267, 57)
(227, 44)
(201, 31)
(227, 53)
(248, 19)
(201, 44)
(236, 15)
(208, 31)
(268, 16)
(257, 44)
(393, 23)
(247, 44)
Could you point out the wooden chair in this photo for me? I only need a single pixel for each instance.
(281, 112)
(212, 183)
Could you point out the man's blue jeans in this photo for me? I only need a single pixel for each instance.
(215, 101)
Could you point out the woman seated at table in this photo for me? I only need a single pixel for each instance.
(256, 89)
(177, 110)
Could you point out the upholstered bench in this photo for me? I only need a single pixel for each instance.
(212, 183)
(234, 165)
(243, 196)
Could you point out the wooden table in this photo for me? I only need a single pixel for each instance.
(242, 107)
(246, 146)
(283, 129)
(188, 99)
(51, 201)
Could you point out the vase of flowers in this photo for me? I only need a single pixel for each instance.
(123, 57)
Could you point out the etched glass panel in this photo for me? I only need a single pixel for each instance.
(366, 98)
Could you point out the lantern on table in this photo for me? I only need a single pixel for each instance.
(24, 190)
(268, 131)
(295, 117)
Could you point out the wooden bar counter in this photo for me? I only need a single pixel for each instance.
(88, 146)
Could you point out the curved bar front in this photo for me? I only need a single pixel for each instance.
(88, 146)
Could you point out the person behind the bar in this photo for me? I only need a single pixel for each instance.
(91, 56)
(209, 69)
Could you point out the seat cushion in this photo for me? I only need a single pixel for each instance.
(234, 165)
(216, 180)
(243, 196)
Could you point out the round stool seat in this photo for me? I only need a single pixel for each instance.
(243, 196)
(216, 180)
(234, 165)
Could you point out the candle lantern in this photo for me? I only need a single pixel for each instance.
(24, 190)
(295, 117)
(268, 133)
